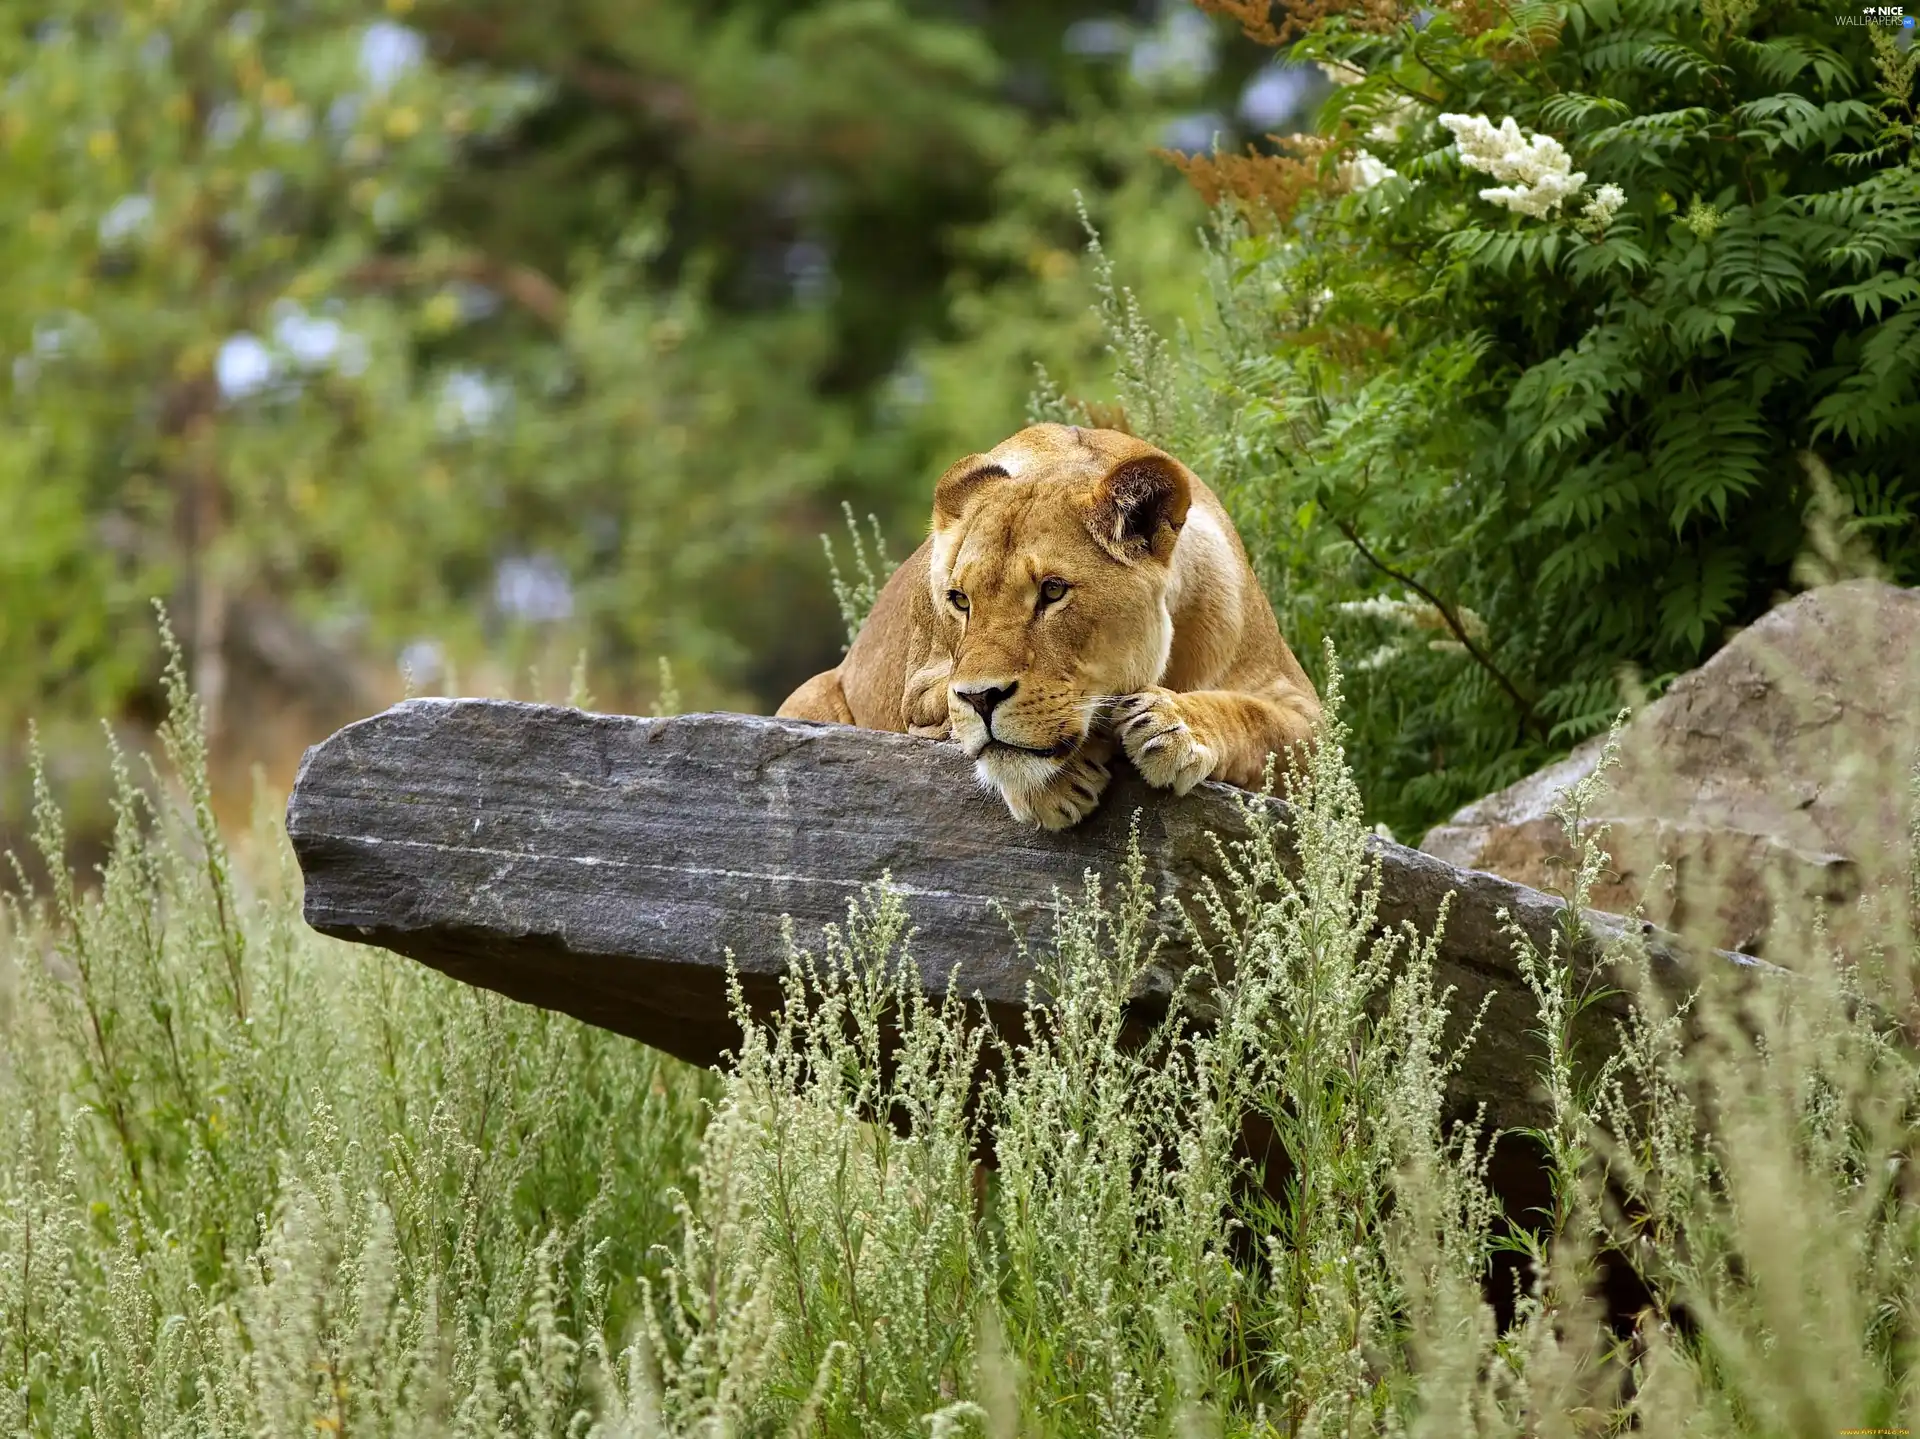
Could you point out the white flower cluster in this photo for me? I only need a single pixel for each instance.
(1383, 607)
(1600, 210)
(1416, 614)
(1388, 124)
(1535, 173)
(1313, 306)
(1362, 171)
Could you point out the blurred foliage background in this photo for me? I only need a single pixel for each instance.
(453, 341)
(471, 347)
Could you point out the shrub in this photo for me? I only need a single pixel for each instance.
(1529, 367)
(253, 1181)
(1126, 1272)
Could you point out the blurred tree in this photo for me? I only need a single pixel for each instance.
(467, 332)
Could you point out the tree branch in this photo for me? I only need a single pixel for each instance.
(525, 286)
(1528, 719)
(474, 37)
(670, 104)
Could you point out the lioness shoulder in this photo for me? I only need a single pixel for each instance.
(1081, 593)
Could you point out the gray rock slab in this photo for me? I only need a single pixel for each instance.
(604, 866)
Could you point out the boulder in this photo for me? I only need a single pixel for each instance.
(1775, 780)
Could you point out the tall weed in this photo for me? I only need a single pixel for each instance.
(252, 1181)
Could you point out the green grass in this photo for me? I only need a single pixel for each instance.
(257, 1182)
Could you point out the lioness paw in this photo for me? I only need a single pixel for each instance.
(1069, 797)
(1160, 742)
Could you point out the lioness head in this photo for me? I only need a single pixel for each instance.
(1049, 566)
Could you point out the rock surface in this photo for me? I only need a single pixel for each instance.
(603, 865)
(1775, 774)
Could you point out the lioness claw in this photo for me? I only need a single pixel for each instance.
(1159, 741)
(1069, 797)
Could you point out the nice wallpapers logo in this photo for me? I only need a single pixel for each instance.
(1891, 16)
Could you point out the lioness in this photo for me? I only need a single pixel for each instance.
(1080, 589)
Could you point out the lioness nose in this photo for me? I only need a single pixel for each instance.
(985, 699)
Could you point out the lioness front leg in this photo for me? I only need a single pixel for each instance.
(1176, 740)
(923, 704)
(1070, 794)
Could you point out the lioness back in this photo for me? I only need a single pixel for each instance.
(1081, 594)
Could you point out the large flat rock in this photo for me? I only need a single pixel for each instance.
(604, 865)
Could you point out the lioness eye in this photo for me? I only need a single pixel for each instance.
(1052, 591)
(957, 600)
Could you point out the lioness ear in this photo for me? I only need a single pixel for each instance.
(1139, 508)
(959, 485)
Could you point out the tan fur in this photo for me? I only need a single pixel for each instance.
(1163, 643)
